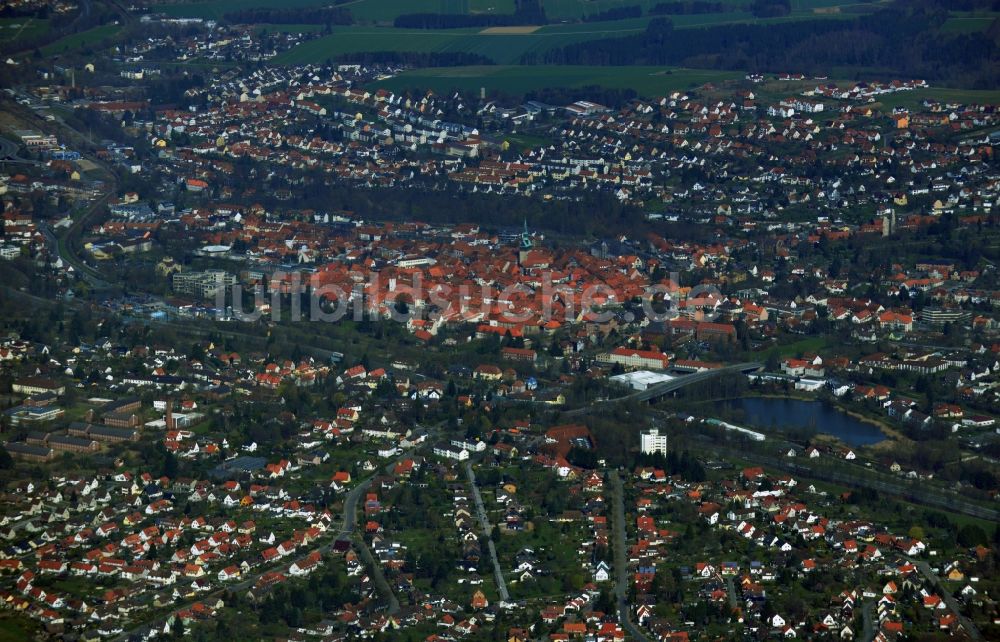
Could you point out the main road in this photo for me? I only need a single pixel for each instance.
(8, 153)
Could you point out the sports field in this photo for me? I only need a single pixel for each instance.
(515, 79)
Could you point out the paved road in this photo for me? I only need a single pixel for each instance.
(621, 562)
(949, 599)
(89, 274)
(867, 633)
(488, 532)
(350, 513)
(85, 273)
(731, 593)
(8, 153)
(87, 217)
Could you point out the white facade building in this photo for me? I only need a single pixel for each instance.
(651, 441)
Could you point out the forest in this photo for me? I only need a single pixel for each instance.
(903, 39)
(615, 13)
(290, 16)
(687, 7)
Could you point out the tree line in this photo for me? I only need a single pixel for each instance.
(903, 39)
(615, 13)
(291, 16)
(415, 58)
(686, 8)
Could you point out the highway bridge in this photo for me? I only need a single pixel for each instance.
(654, 392)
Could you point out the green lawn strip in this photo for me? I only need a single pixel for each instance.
(90, 37)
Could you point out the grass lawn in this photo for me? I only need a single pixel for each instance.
(80, 40)
(520, 141)
(14, 29)
(812, 344)
(516, 79)
(912, 99)
(14, 628)
(969, 21)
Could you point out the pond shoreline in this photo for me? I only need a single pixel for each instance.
(891, 436)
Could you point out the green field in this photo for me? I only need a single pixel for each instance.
(912, 99)
(516, 79)
(88, 38)
(14, 628)
(14, 29)
(969, 21)
(502, 48)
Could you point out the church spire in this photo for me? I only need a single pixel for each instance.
(526, 243)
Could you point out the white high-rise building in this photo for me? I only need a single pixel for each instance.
(651, 441)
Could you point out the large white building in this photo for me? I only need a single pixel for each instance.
(641, 379)
(451, 452)
(651, 441)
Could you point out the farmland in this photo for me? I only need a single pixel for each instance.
(970, 21)
(383, 12)
(363, 10)
(515, 79)
(501, 46)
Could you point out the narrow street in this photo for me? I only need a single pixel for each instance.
(488, 533)
(952, 603)
(621, 561)
(868, 616)
(731, 593)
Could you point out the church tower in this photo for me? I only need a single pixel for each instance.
(526, 245)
